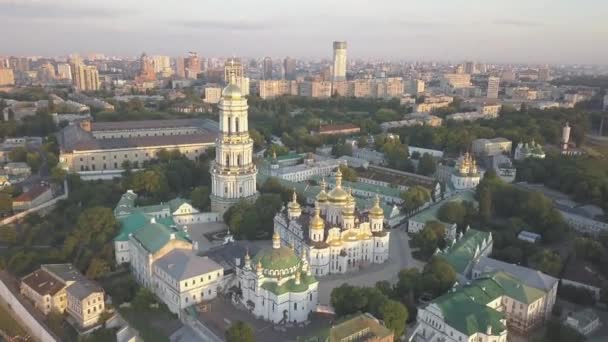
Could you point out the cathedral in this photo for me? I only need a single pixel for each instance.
(277, 285)
(466, 175)
(335, 237)
(233, 174)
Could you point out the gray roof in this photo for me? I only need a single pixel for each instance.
(83, 289)
(184, 264)
(81, 286)
(151, 124)
(526, 275)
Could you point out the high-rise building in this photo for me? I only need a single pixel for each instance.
(46, 73)
(289, 69)
(85, 77)
(7, 77)
(180, 67)
(339, 61)
(21, 64)
(469, 67)
(146, 69)
(192, 65)
(416, 87)
(233, 174)
(267, 68)
(544, 74)
(233, 66)
(64, 71)
(162, 65)
(493, 86)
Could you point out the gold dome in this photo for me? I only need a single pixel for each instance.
(338, 195)
(322, 196)
(317, 222)
(232, 92)
(376, 210)
(294, 205)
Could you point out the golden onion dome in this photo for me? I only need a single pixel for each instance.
(232, 92)
(317, 222)
(338, 194)
(294, 205)
(376, 210)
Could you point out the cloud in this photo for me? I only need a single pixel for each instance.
(56, 10)
(223, 25)
(518, 23)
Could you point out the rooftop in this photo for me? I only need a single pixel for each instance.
(43, 283)
(526, 275)
(33, 193)
(154, 235)
(463, 251)
(355, 325)
(184, 264)
(150, 124)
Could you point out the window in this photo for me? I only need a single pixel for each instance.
(295, 306)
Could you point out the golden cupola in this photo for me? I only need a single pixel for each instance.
(293, 208)
(376, 211)
(337, 194)
(322, 196)
(317, 223)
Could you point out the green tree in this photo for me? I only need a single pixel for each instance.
(200, 197)
(548, 262)
(58, 175)
(415, 197)
(394, 315)
(97, 268)
(34, 161)
(8, 234)
(143, 299)
(342, 149)
(438, 276)
(452, 212)
(349, 174)
(427, 165)
(18, 154)
(240, 331)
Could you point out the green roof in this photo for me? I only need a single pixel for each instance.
(154, 235)
(468, 316)
(290, 156)
(290, 285)
(462, 252)
(277, 258)
(130, 224)
(514, 288)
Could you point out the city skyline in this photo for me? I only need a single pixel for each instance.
(515, 31)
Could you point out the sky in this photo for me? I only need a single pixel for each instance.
(518, 31)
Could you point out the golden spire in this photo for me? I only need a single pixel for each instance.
(317, 222)
(338, 178)
(376, 210)
(276, 240)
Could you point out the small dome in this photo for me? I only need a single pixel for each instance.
(232, 91)
(317, 222)
(278, 259)
(376, 210)
(294, 205)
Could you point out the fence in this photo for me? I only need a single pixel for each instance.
(12, 219)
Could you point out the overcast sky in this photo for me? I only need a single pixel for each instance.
(535, 31)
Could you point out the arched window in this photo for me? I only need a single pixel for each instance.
(238, 159)
(229, 125)
(227, 159)
(236, 125)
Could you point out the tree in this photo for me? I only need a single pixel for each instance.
(349, 174)
(97, 268)
(34, 161)
(58, 175)
(18, 154)
(427, 165)
(394, 315)
(548, 262)
(415, 197)
(362, 142)
(342, 149)
(452, 212)
(438, 276)
(143, 299)
(485, 204)
(200, 197)
(430, 238)
(240, 331)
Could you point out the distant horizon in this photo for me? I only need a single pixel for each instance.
(552, 32)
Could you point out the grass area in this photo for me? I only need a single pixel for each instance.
(10, 325)
(152, 325)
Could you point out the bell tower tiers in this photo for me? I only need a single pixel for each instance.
(233, 174)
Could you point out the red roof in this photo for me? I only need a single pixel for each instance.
(338, 127)
(32, 193)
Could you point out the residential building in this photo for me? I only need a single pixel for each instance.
(339, 129)
(7, 77)
(85, 77)
(61, 288)
(98, 146)
(64, 71)
(428, 107)
(388, 178)
(192, 66)
(289, 69)
(359, 327)
(465, 251)
(277, 285)
(491, 147)
(449, 82)
(416, 87)
(331, 239)
(488, 108)
(493, 87)
(311, 166)
(585, 321)
(17, 169)
(471, 116)
(267, 68)
(429, 213)
(162, 65)
(213, 95)
(35, 196)
(273, 88)
(233, 174)
(339, 70)
(413, 119)
(580, 219)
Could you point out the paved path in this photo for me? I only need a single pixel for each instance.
(400, 257)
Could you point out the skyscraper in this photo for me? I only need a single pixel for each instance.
(233, 174)
(146, 69)
(493, 86)
(339, 61)
(85, 77)
(64, 71)
(289, 68)
(469, 67)
(192, 65)
(7, 77)
(180, 67)
(544, 74)
(267, 69)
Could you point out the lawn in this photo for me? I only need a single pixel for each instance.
(10, 325)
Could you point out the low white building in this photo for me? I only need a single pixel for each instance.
(585, 321)
(466, 175)
(422, 151)
(492, 147)
(311, 166)
(532, 150)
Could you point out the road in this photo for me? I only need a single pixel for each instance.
(400, 257)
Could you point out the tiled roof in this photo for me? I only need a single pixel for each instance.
(462, 252)
(290, 285)
(354, 325)
(32, 193)
(149, 124)
(154, 235)
(468, 316)
(526, 275)
(43, 283)
(184, 264)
